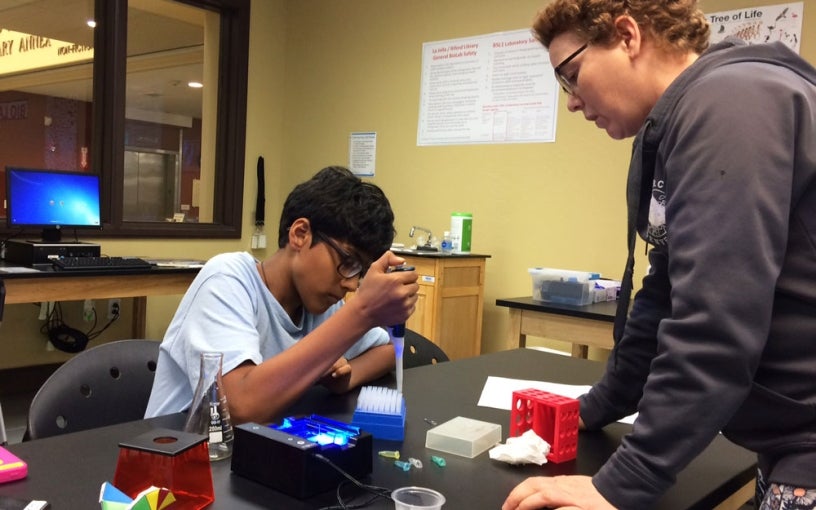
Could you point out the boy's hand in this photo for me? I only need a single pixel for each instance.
(340, 368)
(337, 378)
(387, 298)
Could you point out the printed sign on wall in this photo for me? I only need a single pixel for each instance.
(766, 24)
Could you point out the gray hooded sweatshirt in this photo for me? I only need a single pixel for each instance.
(722, 334)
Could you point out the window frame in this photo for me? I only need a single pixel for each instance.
(108, 132)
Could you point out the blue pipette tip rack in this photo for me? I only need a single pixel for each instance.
(380, 412)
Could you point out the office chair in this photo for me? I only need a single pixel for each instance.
(104, 385)
(421, 351)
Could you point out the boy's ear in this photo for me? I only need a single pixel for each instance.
(300, 233)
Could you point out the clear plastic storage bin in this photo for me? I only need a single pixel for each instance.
(562, 286)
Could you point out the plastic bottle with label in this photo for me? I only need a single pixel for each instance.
(461, 231)
(447, 242)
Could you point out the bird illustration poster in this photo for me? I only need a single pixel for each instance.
(758, 25)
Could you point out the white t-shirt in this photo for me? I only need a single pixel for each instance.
(228, 309)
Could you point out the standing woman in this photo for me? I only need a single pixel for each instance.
(722, 185)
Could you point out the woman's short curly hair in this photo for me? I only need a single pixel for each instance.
(674, 25)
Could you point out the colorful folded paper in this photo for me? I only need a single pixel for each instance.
(152, 498)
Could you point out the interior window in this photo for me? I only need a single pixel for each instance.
(169, 47)
(46, 71)
(133, 90)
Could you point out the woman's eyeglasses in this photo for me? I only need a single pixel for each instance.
(567, 84)
(349, 266)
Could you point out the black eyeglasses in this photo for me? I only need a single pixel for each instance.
(567, 84)
(349, 266)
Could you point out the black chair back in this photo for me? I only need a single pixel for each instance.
(421, 351)
(104, 385)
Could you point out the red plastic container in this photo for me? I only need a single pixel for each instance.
(553, 418)
(169, 459)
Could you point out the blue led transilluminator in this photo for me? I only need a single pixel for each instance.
(320, 430)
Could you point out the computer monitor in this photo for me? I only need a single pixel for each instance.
(52, 200)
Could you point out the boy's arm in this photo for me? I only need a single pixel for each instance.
(368, 366)
(260, 393)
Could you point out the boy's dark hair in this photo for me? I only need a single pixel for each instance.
(340, 205)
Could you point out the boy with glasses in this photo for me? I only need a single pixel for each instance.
(722, 185)
(281, 322)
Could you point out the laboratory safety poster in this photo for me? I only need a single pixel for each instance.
(493, 88)
(769, 23)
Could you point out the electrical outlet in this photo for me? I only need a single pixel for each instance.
(88, 311)
(114, 308)
(45, 309)
(258, 241)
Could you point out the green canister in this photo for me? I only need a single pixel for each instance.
(461, 231)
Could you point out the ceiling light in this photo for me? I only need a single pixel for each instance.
(91, 23)
(195, 84)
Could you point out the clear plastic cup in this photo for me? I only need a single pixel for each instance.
(417, 498)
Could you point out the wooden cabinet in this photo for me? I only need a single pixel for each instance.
(451, 301)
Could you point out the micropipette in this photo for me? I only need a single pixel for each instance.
(397, 333)
(398, 339)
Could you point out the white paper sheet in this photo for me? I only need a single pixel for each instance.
(20, 269)
(498, 392)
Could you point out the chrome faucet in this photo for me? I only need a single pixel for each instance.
(415, 228)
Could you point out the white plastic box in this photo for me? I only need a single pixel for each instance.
(563, 286)
(463, 436)
(606, 290)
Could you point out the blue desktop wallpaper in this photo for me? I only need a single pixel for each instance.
(43, 198)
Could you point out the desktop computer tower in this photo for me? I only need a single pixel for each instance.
(30, 252)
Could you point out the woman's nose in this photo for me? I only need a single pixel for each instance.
(574, 103)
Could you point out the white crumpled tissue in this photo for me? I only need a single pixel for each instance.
(527, 448)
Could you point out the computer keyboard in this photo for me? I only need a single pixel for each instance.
(97, 263)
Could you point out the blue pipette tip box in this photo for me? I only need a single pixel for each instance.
(380, 412)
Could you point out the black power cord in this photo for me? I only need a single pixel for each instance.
(66, 338)
(62, 336)
(343, 504)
